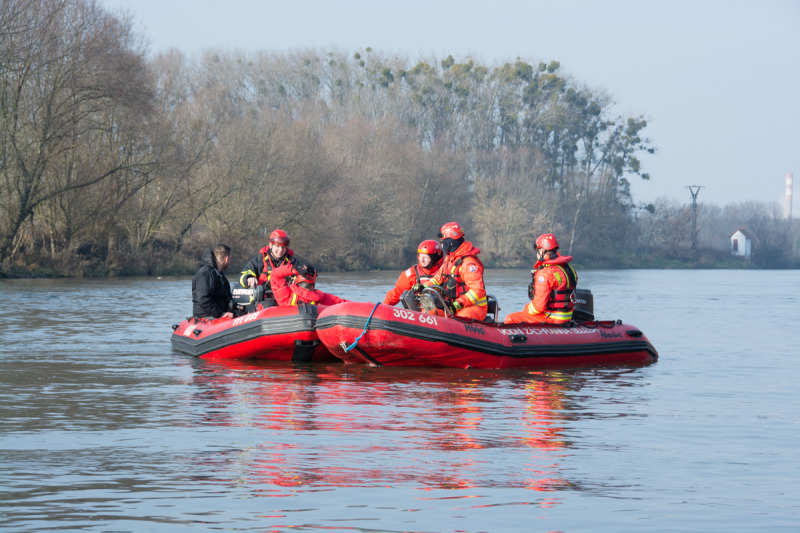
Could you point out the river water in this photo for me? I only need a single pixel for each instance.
(104, 428)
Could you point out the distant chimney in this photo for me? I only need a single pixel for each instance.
(789, 195)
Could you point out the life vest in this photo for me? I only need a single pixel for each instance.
(452, 283)
(314, 297)
(303, 295)
(296, 298)
(454, 286)
(266, 272)
(421, 276)
(561, 300)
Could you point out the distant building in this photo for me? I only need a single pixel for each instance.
(741, 240)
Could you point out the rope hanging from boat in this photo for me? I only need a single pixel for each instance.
(365, 330)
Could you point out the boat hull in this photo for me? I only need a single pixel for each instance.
(280, 333)
(391, 336)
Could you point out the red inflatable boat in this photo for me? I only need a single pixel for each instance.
(391, 336)
(279, 333)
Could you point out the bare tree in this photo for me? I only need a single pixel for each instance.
(512, 204)
(64, 65)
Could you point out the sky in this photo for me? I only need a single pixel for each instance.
(717, 80)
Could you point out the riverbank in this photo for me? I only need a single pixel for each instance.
(183, 265)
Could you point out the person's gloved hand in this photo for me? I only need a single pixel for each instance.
(455, 306)
(417, 287)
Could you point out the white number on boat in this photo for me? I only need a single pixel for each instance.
(244, 319)
(428, 319)
(405, 315)
(411, 316)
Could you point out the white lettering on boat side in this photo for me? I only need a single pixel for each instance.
(244, 319)
(547, 331)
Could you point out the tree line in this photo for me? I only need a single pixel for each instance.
(114, 162)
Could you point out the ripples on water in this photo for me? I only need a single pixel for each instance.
(105, 429)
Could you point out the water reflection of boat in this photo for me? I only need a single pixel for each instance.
(390, 336)
(423, 428)
(279, 333)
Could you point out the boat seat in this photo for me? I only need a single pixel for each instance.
(492, 307)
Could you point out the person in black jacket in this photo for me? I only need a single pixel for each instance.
(211, 292)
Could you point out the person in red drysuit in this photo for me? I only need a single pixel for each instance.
(429, 259)
(461, 275)
(301, 289)
(552, 290)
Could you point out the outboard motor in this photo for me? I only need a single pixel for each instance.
(248, 298)
(584, 305)
(244, 296)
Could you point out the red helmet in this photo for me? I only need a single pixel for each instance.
(430, 247)
(279, 237)
(306, 273)
(299, 278)
(451, 230)
(547, 241)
